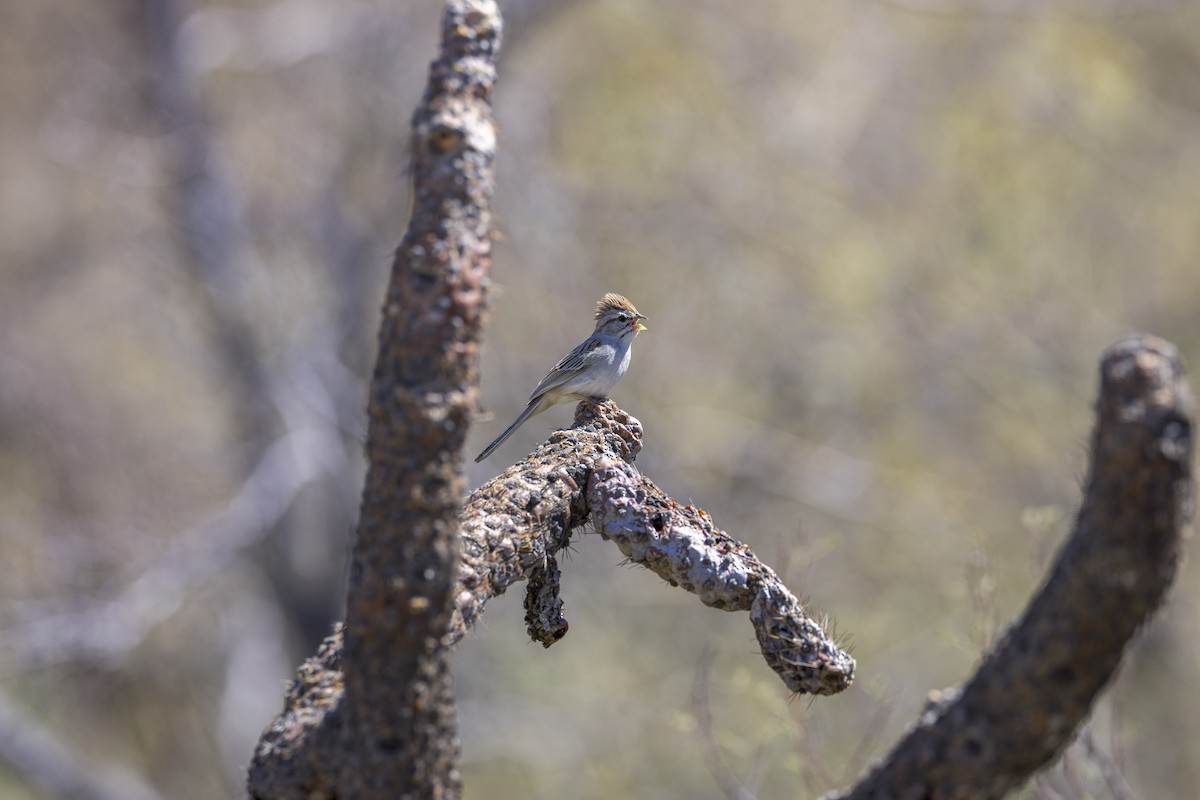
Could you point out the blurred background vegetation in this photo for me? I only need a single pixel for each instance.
(881, 245)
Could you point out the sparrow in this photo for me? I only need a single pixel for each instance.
(591, 370)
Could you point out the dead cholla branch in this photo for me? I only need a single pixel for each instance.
(518, 520)
(683, 546)
(1032, 692)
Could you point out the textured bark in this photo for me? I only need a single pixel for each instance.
(513, 525)
(372, 715)
(510, 530)
(984, 740)
(383, 725)
(1038, 684)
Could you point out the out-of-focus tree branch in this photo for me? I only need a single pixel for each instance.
(212, 237)
(55, 767)
(395, 734)
(105, 632)
(1021, 707)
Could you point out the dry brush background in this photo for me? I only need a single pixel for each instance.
(881, 246)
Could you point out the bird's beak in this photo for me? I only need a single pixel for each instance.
(638, 327)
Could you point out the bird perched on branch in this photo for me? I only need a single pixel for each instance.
(591, 370)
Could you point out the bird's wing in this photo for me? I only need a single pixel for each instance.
(571, 365)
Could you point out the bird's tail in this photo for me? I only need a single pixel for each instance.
(535, 406)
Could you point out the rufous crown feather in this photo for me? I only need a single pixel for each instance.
(614, 302)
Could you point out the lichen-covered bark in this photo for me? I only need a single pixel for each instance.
(514, 522)
(398, 731)
(683, 546)
(385, 726)
(513, 526)
(1038, 684)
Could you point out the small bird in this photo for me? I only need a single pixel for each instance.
(591, 370)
